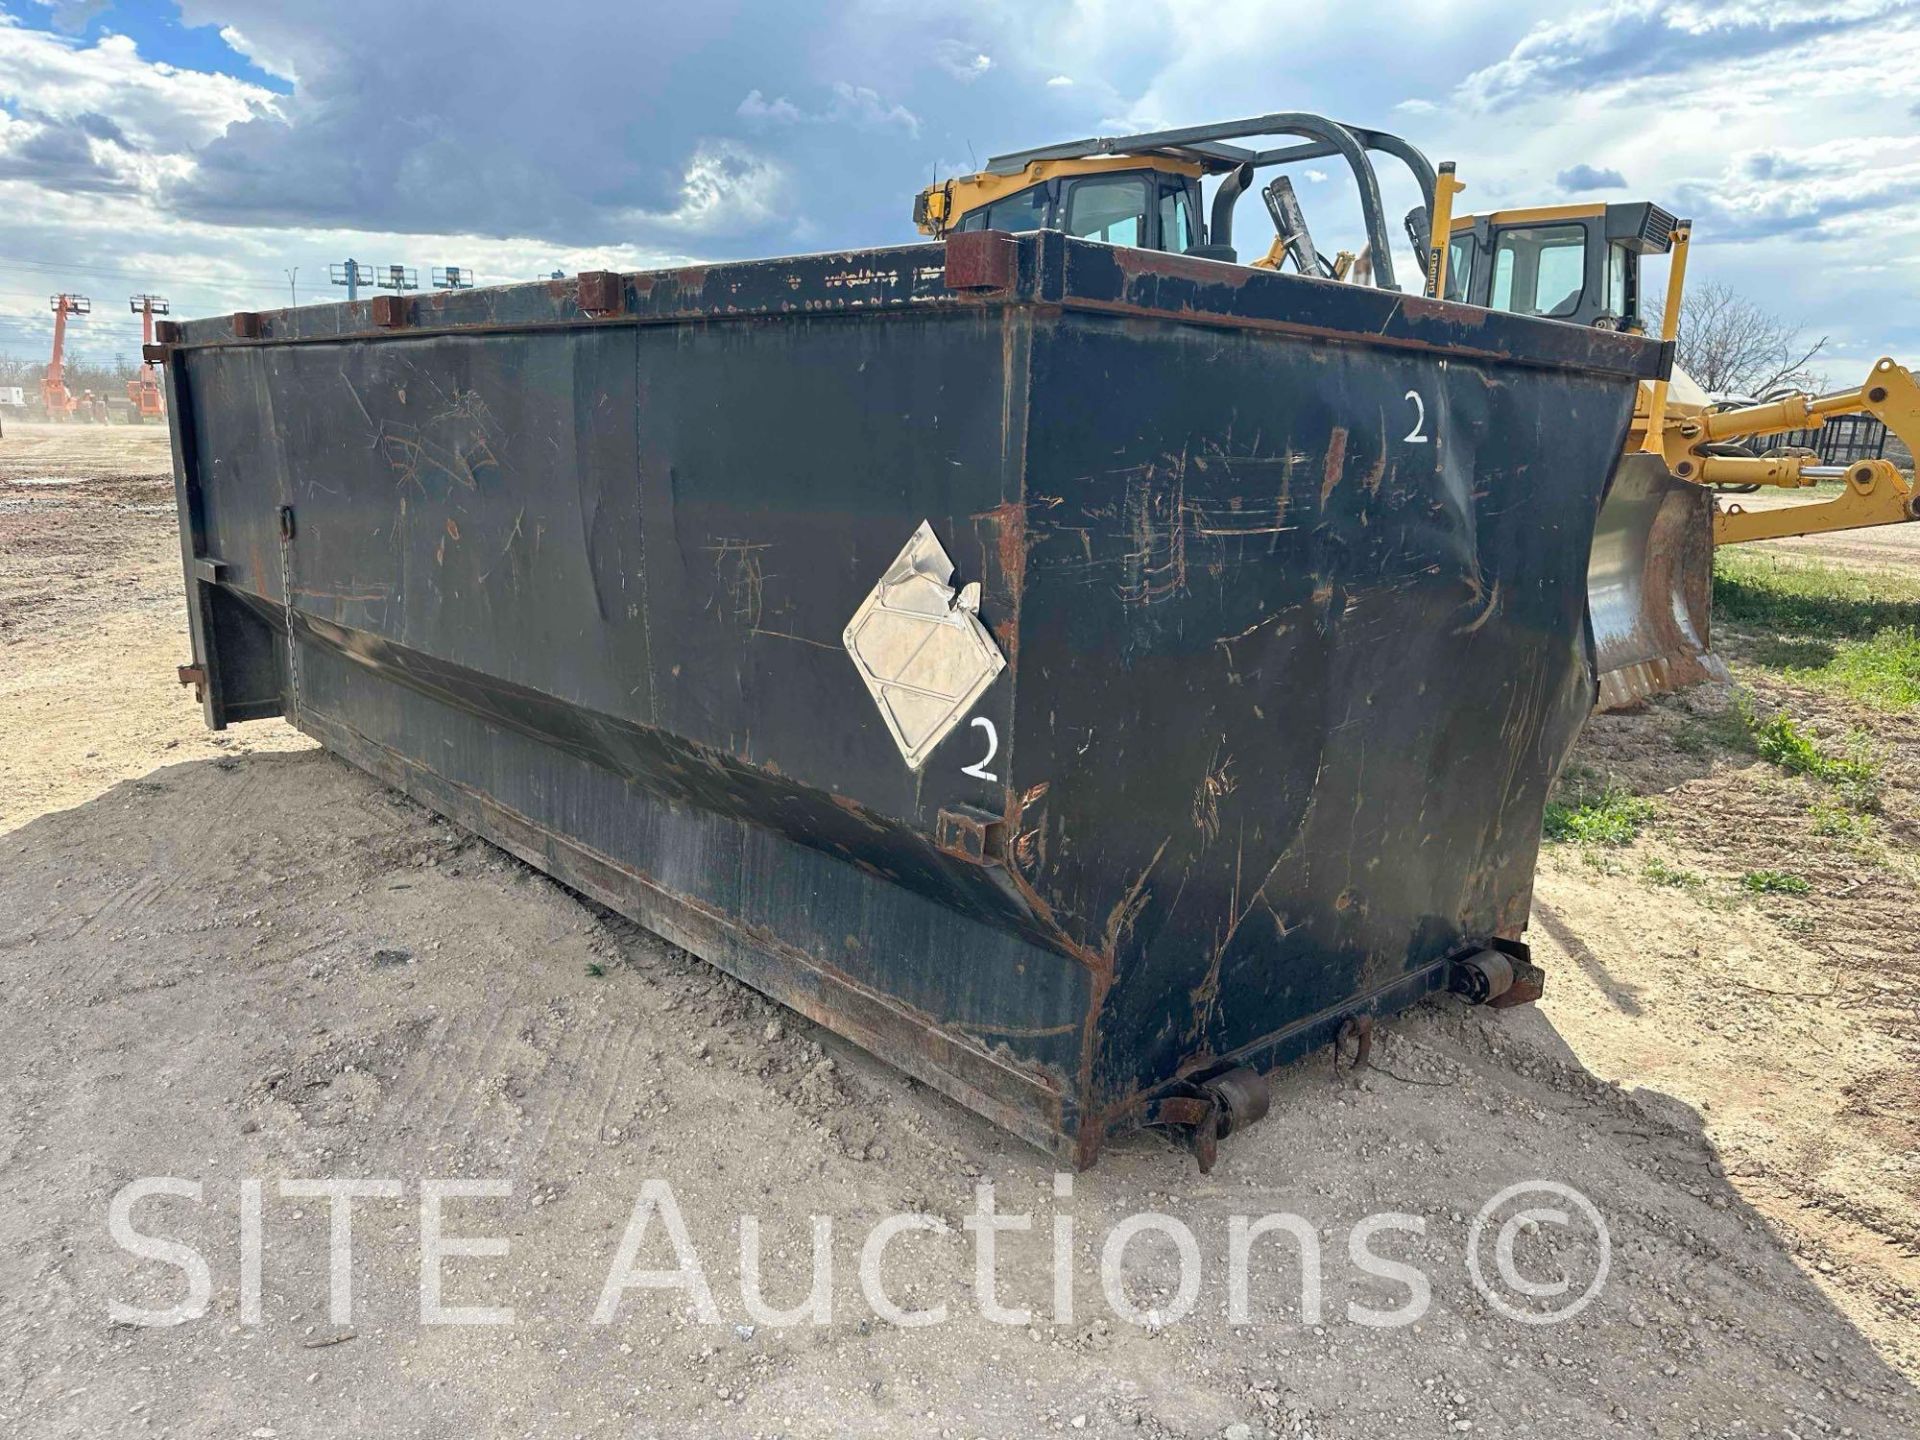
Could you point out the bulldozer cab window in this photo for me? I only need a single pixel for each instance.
(1623, 284)
(1108, 208)
(1020, 212)
(1176, 219)
(1460, 266)
(1540, 270)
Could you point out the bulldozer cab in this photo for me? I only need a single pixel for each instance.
(1150, 202)
(1578, 263)
(1146, 191)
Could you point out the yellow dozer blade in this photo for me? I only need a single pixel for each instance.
(1650, 584)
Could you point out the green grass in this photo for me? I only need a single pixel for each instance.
(1783, 742)
(1838, 822)
(1773, 882)
(1661, 873)
(1780, 741)
(1882, 671)
(1849, 631)
(1790, 655)
(1809, 599)
(1608, 815)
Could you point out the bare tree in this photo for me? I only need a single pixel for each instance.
(1733, 346)
(82, 372)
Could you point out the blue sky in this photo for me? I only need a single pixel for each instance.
(200, 149)
(156, 27)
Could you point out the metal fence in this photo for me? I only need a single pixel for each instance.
(1841, 441)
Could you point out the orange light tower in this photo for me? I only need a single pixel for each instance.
(144, 389)
(61, 405)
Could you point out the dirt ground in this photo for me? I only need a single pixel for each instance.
(232, 957)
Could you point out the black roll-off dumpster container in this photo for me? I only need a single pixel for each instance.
(1072, 673)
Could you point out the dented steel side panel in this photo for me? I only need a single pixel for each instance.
(1312, 631)
(1285, 583)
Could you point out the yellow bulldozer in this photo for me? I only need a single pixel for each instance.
(1650, 580)
(1650, 585)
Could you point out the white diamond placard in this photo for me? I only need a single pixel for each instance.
(920, 647)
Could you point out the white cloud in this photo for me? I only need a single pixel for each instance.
(1590, 177)
(108, 246)
(1812, 190)
(639, 146)
(158, 108)
(1628, 40)
(270, 61)
(962, 61)
(757, 108)
(1790, 186)
(726, 187)
(71, 16)
(851, 104)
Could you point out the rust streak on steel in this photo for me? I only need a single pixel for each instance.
(1378, 470)
(982, 260)
(1134, 309)
(1153, 264)
(1087, 1142)
(1097, 962)
(850, 806)
(1335, 462)
(1010, 539)
(1120, 919)
(1422, 307)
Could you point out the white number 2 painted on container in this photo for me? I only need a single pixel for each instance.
(979, 769)
(1418, 434)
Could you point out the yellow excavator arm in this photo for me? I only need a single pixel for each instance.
(1875, 491)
